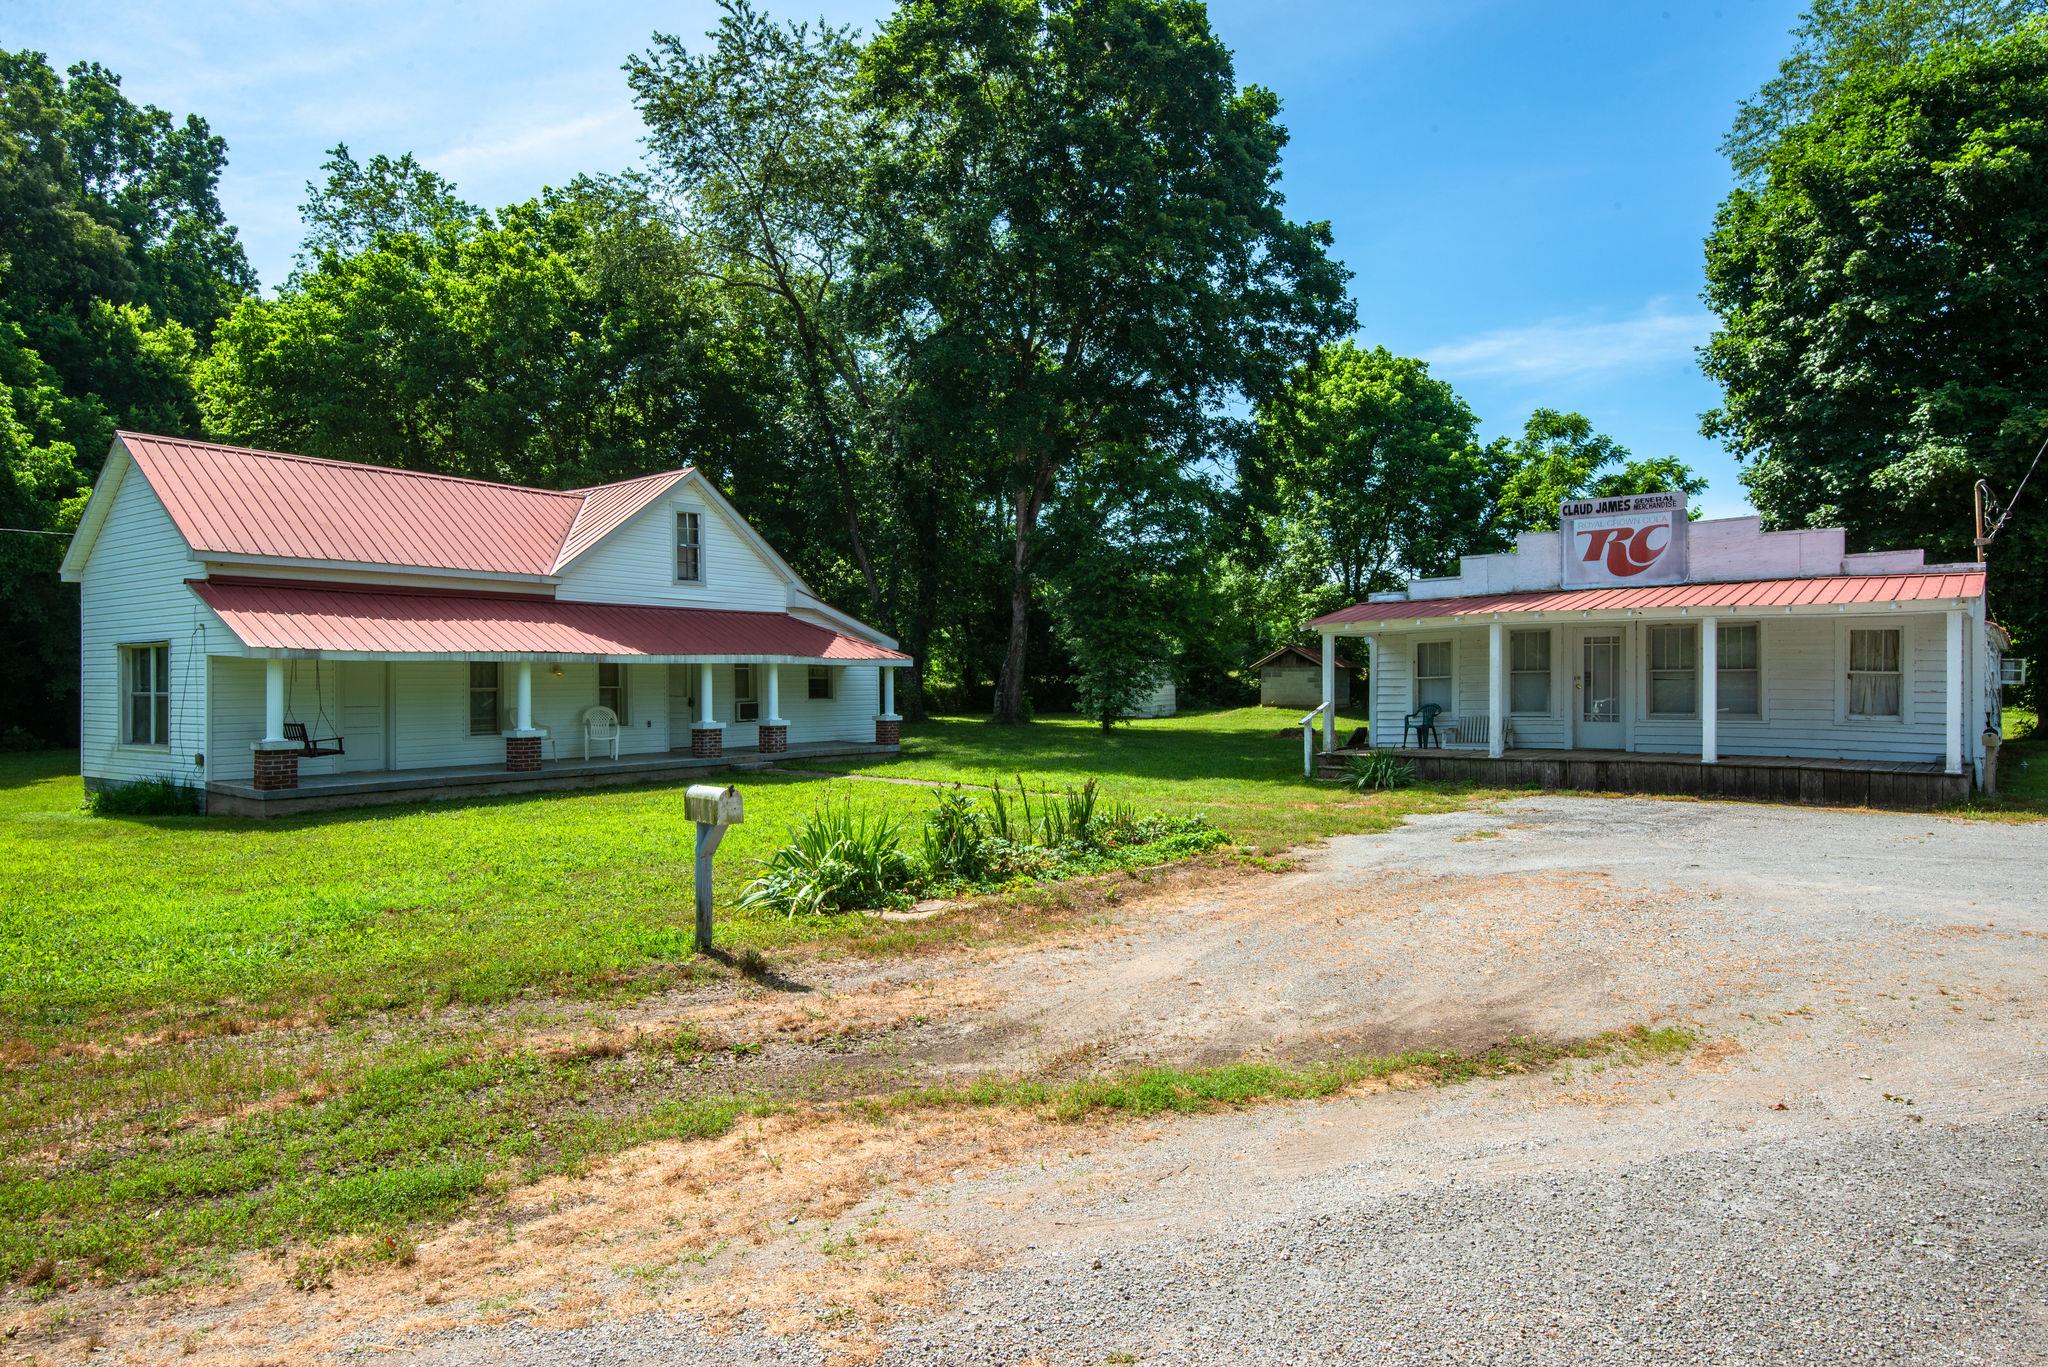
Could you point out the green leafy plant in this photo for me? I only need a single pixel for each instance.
(144, 797)
(956, 840)
(1378, 771)
(836, 860)
(1049, 835)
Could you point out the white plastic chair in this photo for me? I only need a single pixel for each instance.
(600, 725)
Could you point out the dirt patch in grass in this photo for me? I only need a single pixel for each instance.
(780, 1220)
(784, 1221)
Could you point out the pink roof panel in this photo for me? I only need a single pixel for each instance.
(1823, 591)
(610, 506)
(281, 615)
(233, 501)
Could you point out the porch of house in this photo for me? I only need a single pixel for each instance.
(1902, 784)
(326, 792)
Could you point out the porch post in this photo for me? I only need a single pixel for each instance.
(1953, 730)
(522, 742)
(1372, 680)
(1496, 689)
(275, 759)
(273, 699)
(1329, 691)
(888, 726)
(707, 737)
(1710, 691)
(774, 731)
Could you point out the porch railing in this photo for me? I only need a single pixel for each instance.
(1308, 740)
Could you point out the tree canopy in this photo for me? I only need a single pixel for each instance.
(115, 261)
(1076, 242)
(1879, 294)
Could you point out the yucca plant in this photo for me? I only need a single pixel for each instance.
(836, 860)
(1377, 771)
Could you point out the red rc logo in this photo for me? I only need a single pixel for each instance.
(1629, 550)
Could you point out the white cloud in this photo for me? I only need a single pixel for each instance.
(548, 142)
(1582, 348)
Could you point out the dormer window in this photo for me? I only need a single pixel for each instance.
(689, 548)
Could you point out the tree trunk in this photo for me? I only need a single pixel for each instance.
(1010, 682)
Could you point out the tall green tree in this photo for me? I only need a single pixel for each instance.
(1560, 456)
(363, 203)
(115, 261)
(1835, 40)
(1126, 534)
(1075, 240)
(1377, 474)
(1881, 331)
(559, 342)
(755, 140)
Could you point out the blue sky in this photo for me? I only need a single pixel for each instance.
(1521, 187)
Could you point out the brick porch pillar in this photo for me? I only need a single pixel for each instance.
(522, 750)
(707, 741)
(888, 726)
(774, 737)
(277, 765)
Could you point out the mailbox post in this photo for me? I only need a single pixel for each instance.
(713, 809)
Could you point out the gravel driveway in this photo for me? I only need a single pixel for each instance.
(1849, 1169)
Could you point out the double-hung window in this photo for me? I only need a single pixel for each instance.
(689, 547)
(1529, 673)
(745, 707)
(1674, 671)
(484, 694)
(611, 689)
(1433, 682)
(1738, 671)
(820, 684)
(146, 688)
(1876, 673)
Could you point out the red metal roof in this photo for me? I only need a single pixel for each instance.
(232, 500)
(1821, 591)
(609, 506)
(295, 616)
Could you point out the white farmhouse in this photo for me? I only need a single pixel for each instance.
(283, 632)
(1636, 650)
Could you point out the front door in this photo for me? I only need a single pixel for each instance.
(361, 686)
(1598, 691)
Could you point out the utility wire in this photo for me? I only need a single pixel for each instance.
(2006, 511)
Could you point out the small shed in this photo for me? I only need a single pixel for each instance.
(1159, 701)
(1292, 676)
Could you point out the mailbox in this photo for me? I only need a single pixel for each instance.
(713, 809)
(707, 804)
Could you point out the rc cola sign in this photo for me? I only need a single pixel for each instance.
(1628, 539)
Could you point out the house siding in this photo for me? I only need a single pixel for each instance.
(1802, 673)
(132, 592)
(636, 563)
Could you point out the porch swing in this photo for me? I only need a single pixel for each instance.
(312, 747)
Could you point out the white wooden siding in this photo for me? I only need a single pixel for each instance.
(637, 563)
(132, 591)
(1802, 669)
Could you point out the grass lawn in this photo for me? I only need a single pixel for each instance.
(224, 1033)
